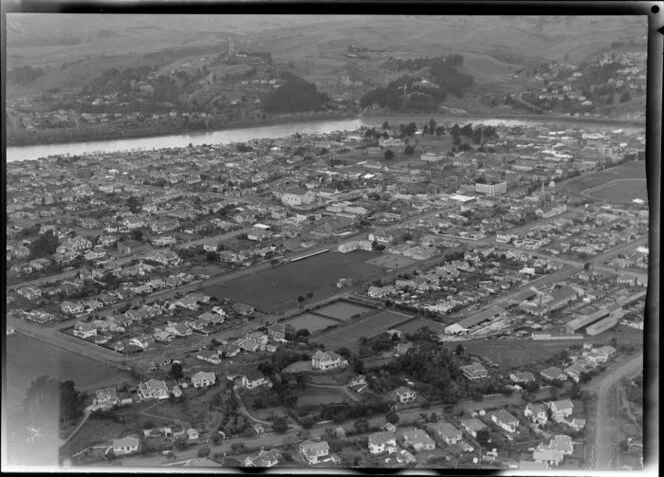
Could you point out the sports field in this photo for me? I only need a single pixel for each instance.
(391, 262)
(620, 191)
(414, 325)
(629, 170)
(266, 290)
(342, 310)
(349, 335)
(311, 322)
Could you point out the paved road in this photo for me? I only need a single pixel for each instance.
(604, 386)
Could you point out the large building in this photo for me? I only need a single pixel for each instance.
(464, 326)
(298, 196)
(497, 188)
(432, 157)
(586, 320)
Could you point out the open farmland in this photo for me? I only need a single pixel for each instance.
(311, 322)
(342, 310)
(362, 327)
(620, 191)
(269, 289)
(414, 325)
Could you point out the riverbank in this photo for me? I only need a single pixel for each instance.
(541, 118)
(104, 133)
(92, 133)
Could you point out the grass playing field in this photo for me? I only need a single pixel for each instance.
(311, 322)
(269, 289)
(342, 310)
(350, 335)
(620, 191)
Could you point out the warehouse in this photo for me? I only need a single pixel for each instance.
(602, 325)
(465, 325)
(586, 320)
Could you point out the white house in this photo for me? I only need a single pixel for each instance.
(325, 360)
(125, 446)
(313, 452)
(203, 379)
(380, 442)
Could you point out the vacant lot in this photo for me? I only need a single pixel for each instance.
(269, 289)
(342, 310)
(96, 432)
(318, 396)
(311, 322)
(622, 191)
(364, 327)
(414, 325)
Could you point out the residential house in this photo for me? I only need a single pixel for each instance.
(192, 434)
(254, 380)
(537, 413)
(314, 452)
(446, 431)
(277, 331)
(30, 292)
(242, 309)
(209, 356)
(72, 308)
(325, 360)
(473, 426)
(505, 420)
(553, 373)
(203, 379)
(522, 377)
(264, 459)
(125, 446)
(85, 331)
(380, 442)
(561, 409)
(555, 451)
(404, 395)
(179, 330)
(106, 398)
(474, 371)
(418, 440)
(153, 389)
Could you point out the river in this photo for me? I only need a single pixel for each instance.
(228, 136)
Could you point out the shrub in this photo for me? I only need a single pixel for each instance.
(203, 451)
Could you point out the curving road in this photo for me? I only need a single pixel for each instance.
(604, 387)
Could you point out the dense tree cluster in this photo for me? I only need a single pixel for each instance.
(45, 245)
(24, 75)
(295, 95)
(434, 367)
(47, 397)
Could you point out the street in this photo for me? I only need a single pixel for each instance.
(603, 422)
